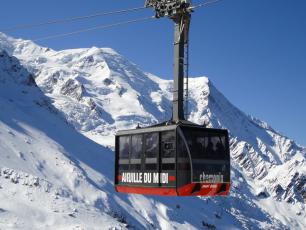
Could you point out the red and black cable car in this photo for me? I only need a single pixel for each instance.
(175, 158)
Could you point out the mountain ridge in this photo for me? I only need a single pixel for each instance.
(99, 91)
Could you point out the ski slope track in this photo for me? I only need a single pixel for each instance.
(59, 111)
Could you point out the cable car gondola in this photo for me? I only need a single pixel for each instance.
(178, 157)
(173, 160)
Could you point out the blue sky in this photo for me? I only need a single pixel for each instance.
(253, 51)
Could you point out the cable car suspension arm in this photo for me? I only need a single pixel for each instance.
(180, 12)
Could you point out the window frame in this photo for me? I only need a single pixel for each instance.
(146, 160)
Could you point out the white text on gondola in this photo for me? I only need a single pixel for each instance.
(145, 178)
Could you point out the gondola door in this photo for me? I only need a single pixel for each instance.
(151, 159)
(168, 159)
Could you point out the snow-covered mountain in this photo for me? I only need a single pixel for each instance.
(59, 112)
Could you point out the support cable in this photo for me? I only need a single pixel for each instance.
(73, 19)
(205, 4)
(99, 27)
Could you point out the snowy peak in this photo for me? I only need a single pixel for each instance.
(16, 47)
(87, 83)
(260, 151)
(99, 92)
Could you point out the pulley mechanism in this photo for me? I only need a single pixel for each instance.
(169, 8)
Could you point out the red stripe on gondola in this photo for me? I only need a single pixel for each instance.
(205, 189)
(172, 178)
(147, 190)
(187, 190)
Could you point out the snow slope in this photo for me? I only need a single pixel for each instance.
(39, 179)
(96, 92)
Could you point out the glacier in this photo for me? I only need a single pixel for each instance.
(59, 111)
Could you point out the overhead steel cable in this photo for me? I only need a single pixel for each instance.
(94, 28)
(66, 20)
(205, 4)
(73, 19)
